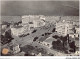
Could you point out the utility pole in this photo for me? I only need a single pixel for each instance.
(74, 39)
(68, 47)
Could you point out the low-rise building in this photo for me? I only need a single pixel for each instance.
(76, 35)
(77, 30)
(48, 42)
(71, 35)
(16, 48)
(77, 53)
(18, 31)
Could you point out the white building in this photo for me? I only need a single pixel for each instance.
(77, 30)
(4, 26)
(18, 31)
(33, 21)
(16, 49)
(77, 53)
(25, 19)
(71, 35)
(63, 28)
(48, 42)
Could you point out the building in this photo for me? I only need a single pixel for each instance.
(48, 42)
(77, 30)
(25, 19)
(64, 28)
(18, 31)
(71, 35)
(33, 21)
(77, 53)
(16, 48)
(4, 27)
(76, 34)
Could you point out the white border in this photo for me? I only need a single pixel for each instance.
(40, 57)
(39, 0)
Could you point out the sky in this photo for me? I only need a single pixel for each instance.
(49, 8)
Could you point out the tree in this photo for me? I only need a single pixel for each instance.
(35, 38)
(72, 45)
(20, 22)
(56, 36)
(42, 50)
(34, 31)
(53, 30)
